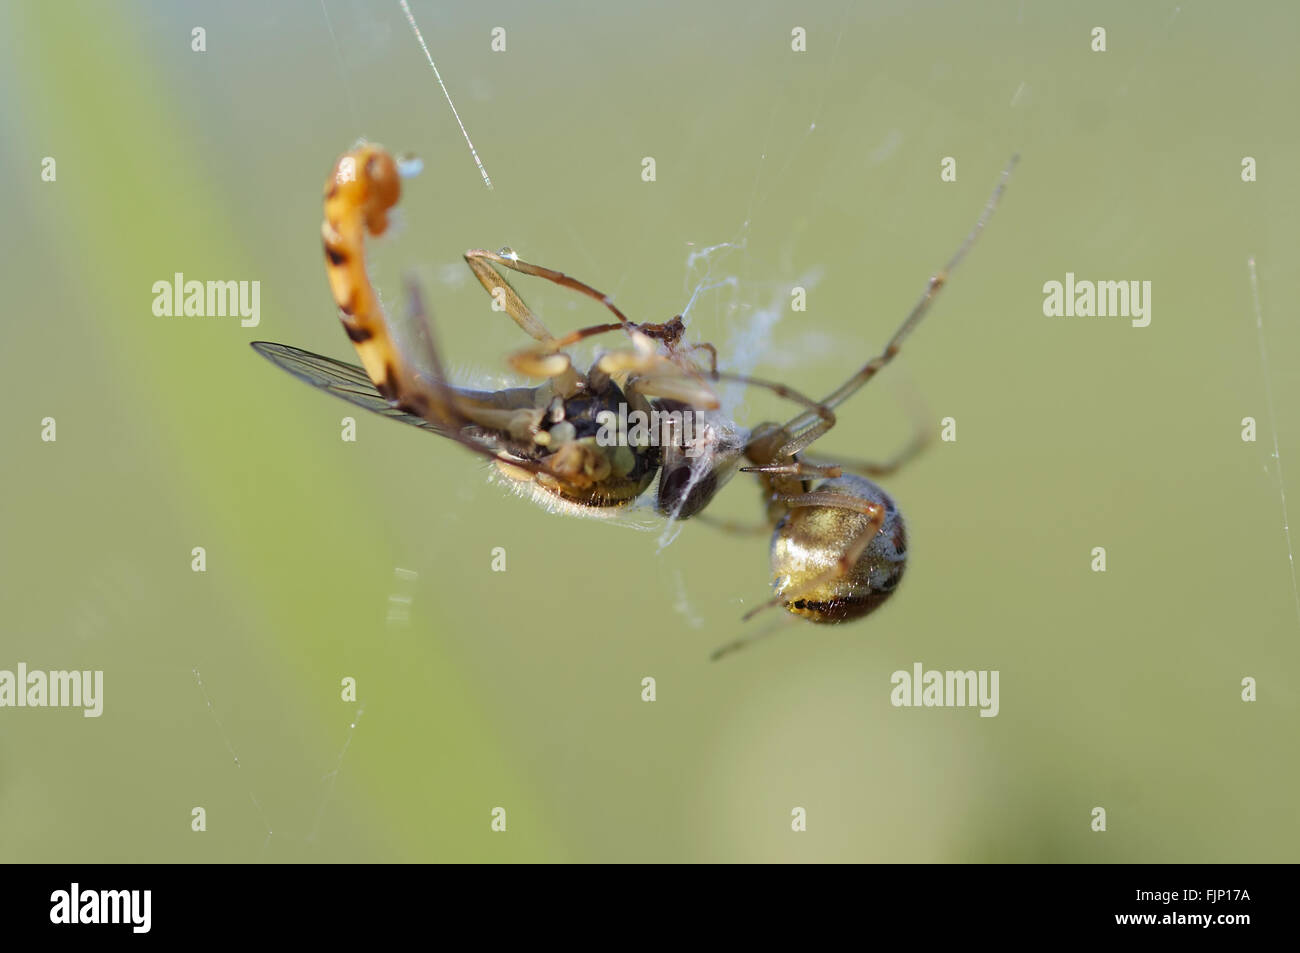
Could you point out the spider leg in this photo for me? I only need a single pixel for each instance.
(823, 412)
(814, 433)
(883, 467)
(921, 438)
(734, 526)
(722, 651)
(919, 310)
(643, 362)
(799, 468)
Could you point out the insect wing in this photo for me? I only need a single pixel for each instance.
(347, 381)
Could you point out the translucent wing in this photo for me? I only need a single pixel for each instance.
(347, 381)
(351, 383)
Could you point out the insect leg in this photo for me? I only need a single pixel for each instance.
(484, 263)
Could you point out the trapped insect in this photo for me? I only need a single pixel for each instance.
(839, 546)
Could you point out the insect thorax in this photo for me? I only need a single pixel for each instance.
(578, 437)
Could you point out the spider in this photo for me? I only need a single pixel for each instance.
(838, 547)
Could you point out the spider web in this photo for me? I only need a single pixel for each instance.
(328, 779)
(1272, 416)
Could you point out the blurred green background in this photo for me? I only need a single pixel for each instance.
(522, 689)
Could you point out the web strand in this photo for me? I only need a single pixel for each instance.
(1272, 417)
(410, 18)
(338, 52)
(230, 748)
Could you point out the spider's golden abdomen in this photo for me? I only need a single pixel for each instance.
(809, 541)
